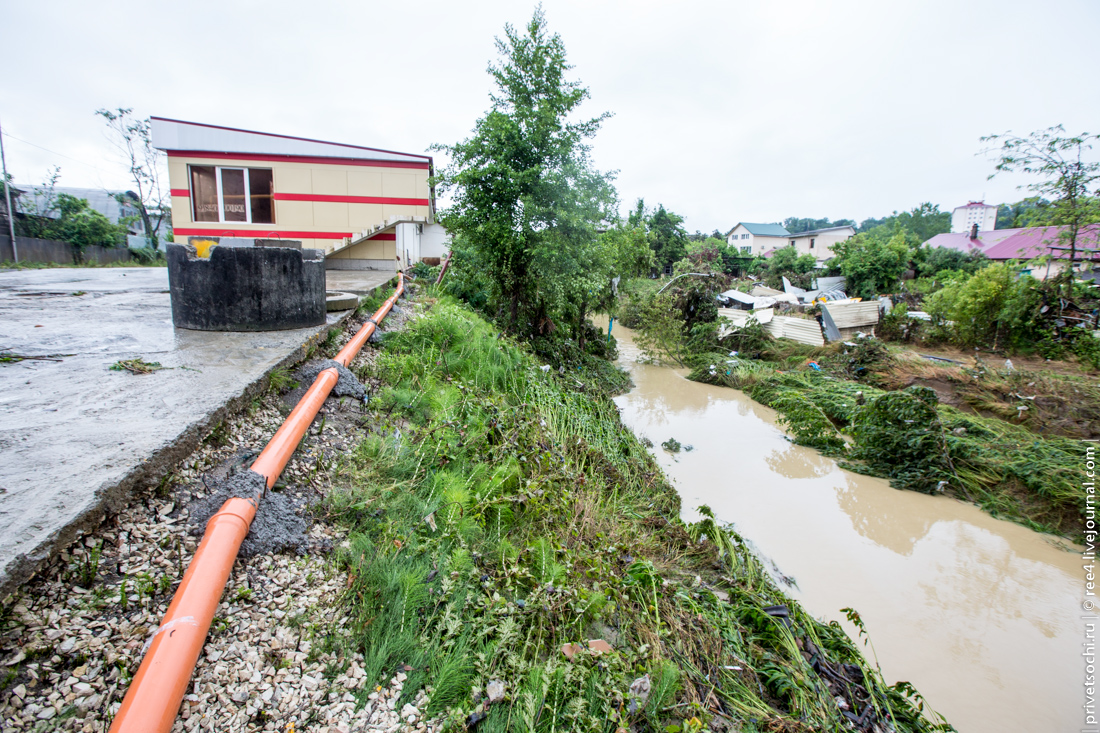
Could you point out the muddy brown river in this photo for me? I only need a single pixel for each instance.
(979, 614)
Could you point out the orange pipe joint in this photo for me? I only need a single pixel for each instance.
(173, 650)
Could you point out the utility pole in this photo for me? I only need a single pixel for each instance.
(7, 198)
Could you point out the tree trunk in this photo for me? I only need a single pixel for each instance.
(150, 235)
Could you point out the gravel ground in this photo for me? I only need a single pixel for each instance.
(71, 639)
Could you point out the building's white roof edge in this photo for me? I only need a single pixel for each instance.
(194, 136)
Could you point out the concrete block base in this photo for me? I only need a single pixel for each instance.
(246, 288)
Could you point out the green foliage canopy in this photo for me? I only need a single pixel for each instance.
(665, 231)
(50, 215)
(872, 261)
(525, 196)
(1065, 176)
(630, 250)
(796, 225)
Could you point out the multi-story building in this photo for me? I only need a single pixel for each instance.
(963, 218)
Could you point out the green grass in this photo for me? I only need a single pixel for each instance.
(498, 512)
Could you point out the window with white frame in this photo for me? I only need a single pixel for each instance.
(230, 194)
(746, 249)
(744, 236)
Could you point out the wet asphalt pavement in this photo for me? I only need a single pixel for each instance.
(77, 437)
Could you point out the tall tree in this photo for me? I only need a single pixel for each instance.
(665, 231)
(872, 261)
(525, 195)
(134, 141)
(667, 236)
(1031, 211)
(925, 221)
(796, 225)
(1065, 176)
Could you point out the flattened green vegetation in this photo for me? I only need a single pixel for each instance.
(501, 513)
(911, 439)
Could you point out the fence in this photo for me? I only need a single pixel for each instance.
(51, 250)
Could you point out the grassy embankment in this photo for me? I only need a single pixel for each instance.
(1008, 443)
(500, 512)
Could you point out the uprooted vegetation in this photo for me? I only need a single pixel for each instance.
(881, 414)
(501, 512)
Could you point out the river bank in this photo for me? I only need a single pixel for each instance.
(978, 613)
(518, 550)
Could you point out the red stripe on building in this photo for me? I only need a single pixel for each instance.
(270, 158)
(181, 192)
(350, 199)
(260, 234)
(389, 237)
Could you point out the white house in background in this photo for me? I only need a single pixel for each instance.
(819, 242)
(756, 239)
(975, 212)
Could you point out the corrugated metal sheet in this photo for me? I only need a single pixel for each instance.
(796, 329)
(828, 283)
(800, 330)
(740, 297)
(853, 315)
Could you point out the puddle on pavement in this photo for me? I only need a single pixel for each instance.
(979, 614)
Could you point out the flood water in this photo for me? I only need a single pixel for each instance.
(979, 614)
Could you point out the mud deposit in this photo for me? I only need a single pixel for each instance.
(979, 614)
(278, 526)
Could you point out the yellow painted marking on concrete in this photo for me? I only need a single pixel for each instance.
(203, 246)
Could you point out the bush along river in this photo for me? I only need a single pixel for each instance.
(979, 614)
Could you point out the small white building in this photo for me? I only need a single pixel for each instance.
(963, 218)
(756, 239)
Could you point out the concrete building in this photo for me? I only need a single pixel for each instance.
(819, 242)
(756, 239)
(366, 208)
(963, 218)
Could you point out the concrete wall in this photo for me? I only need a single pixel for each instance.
(246, 288)
(330, 201)
(408, 244)
(760, 245)
(382, 251)
(434, 241)
(823, 243)
(62, 253)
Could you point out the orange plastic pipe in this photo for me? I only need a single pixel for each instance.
(155, 694)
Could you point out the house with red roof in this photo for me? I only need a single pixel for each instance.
(1027, 244)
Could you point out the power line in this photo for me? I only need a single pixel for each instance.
(33, 145)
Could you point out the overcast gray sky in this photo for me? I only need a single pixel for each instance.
(723, 111)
